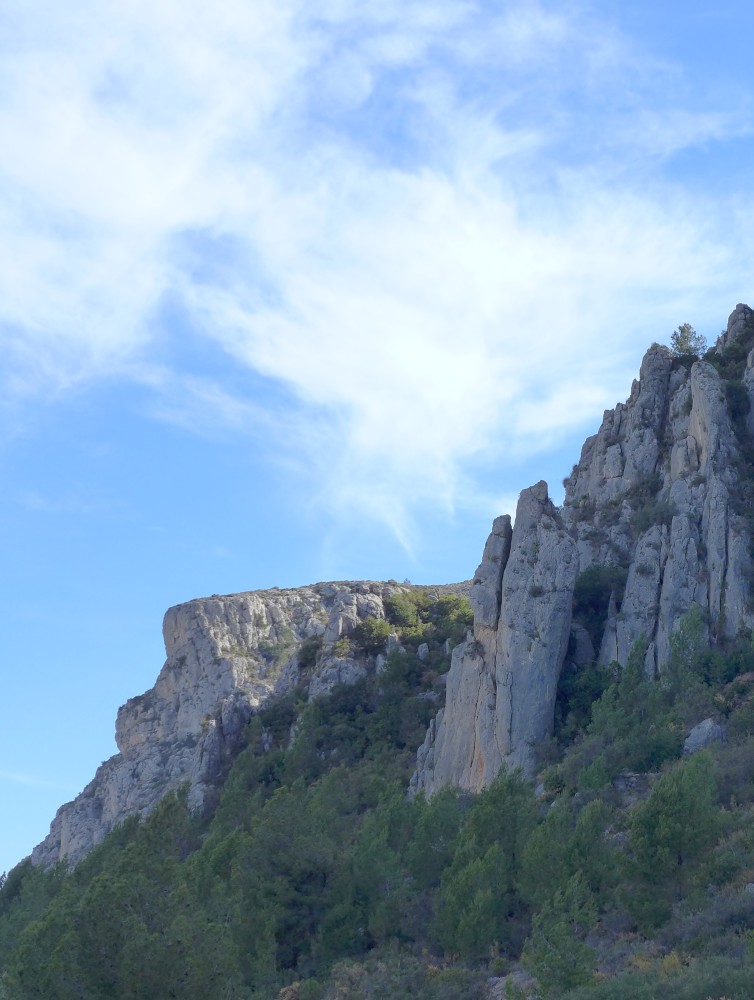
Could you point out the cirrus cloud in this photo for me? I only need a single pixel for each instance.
(416, 218)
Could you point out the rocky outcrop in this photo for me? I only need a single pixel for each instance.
(659, 508)
(704, 734)
(226, 657)
(500, 693)
(658, 491)
(661, 502)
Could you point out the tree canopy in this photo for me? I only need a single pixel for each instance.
(685, 340)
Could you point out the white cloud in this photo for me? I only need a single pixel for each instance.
(434, 245)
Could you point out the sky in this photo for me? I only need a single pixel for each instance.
(300, 290)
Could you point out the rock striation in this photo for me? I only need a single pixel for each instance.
(657, 520)
(226, 657)
(661, 503)
(500, 692)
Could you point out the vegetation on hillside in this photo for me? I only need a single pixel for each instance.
(629, 878)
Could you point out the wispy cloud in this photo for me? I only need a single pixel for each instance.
(414, 217)
(34, 781)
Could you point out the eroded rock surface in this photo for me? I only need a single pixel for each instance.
(226, 657)
(661, 497)
(658, 491)
(500, 693)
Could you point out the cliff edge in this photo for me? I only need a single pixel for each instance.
(226, 657)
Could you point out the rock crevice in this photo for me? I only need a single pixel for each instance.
(505, 676)
(658, 499)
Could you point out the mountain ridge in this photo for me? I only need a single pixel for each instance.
(655, 497)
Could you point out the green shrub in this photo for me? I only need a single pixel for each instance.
(401, 610)
(686, 341)
(670, 833)
(555, 953)
(651, 513)
(578, 689)
(479, 906)
(308, 651)
(371, 634)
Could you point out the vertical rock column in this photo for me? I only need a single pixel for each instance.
(533, 629)
(501, 687)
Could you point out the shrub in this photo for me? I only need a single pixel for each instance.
(401, 610)
(308, 651)
(342, 647)
(555, 952)
(670, 834)
(371, 634)
(686, 341)
(578, 689)
(651, 513)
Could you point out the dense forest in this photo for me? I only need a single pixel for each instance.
(626, 872)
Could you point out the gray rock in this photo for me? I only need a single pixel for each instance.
(655, 493)
(423, 651)
(226, 658)
(485, 590)
(740, 323)
(501, 687)
(680, 469)
(582, 646)
(338, 670)
(703, 734)
(393, 644)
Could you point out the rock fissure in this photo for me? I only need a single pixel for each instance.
(653, 494)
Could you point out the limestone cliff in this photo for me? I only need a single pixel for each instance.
(662, 496)
(661, 503)
(502, 684)
(226, 657)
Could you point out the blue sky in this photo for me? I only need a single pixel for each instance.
(296, 291)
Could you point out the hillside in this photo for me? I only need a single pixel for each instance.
(574, 728)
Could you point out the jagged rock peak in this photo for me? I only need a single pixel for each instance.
(740, 326)
(659, 507)
(486, 587)
(658, 492)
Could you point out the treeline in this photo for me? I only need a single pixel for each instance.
(623, 878)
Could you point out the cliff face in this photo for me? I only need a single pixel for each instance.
(501, 685)
(226, 656)
(659, 508)
(661, 498)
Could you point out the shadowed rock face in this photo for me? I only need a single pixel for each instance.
(656, 493)
(226, 657)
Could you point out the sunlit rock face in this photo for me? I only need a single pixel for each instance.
(662, 493)
(226, 657)
(502, 683)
